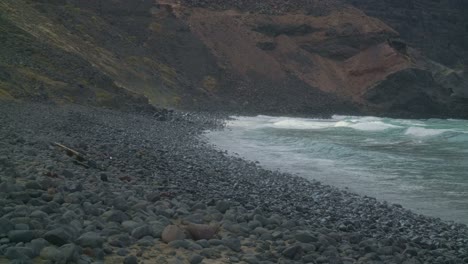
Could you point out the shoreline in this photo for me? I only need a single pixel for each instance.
(293, 149)
(145, 182)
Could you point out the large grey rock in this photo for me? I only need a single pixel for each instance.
(198, 206)
(310, 258)
(68, 174)
(69, 216)
(21, 226)
(141, 231)
(180, 244)
(22, 261)
(130, 225)
(223, 206)
(131, 260)
(305, 237)
(5, 226)
(121, 203)
(65, 254)
(20, 196)
(196, 259)
(57, 236)
(17, 236)
(187, 244)
(232, 243)
(38, 214)
(120, 240)
(115, 216)
(19, 253)
(91, 209)
(254, 224)
(90, 239)
(211, 253)
(157, 228)
(215, 242)
(196, 218)
(68, 253)
(204, 243)
(50, 253)
(250, 258)
(260, 218)
(292, 251)
(33, 185)
(146, 242)
(387, 250)
(38, 244)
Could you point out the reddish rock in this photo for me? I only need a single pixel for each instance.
(125, 178)
(172, 233)
(199, 232)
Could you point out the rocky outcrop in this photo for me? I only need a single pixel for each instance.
(437, 28)
(411, 92)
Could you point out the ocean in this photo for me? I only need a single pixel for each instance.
(420, 164)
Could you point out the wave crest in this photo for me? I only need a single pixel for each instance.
(424, 132)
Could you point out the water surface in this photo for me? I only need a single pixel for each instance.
(420, 164)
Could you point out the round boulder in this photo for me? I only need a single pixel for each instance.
(172, 233)
(198, 231)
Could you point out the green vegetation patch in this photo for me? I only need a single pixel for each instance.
(4, 94)
(210, 84)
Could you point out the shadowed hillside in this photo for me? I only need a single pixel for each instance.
(293, 57)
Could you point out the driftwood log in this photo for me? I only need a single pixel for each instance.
(79, 158)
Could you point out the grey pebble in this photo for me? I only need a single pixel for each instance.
(19, 253)
(232, 243)
(131, 260)
(57, 236)
(20, 236)
(196, 259)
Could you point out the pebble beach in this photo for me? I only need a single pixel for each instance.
(89, 185)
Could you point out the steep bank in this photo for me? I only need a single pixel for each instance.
(34, 70)
(296, 57)
(152, 190)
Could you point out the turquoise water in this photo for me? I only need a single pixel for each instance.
(420, 164)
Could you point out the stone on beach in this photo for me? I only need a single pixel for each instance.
(199, 231)
(172, 233)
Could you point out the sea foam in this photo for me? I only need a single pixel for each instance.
(424, 132)
(366, 126)
(302, 124)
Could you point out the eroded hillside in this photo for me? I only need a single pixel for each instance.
(295, 57)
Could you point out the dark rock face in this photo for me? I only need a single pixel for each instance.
(413, 91)
(270, 7)
(438, 28)
(399, 45)
(266, 45)
(273, 30)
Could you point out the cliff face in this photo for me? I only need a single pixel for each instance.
(277, 57)
(439, 28)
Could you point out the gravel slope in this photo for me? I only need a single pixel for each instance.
(148, 189)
